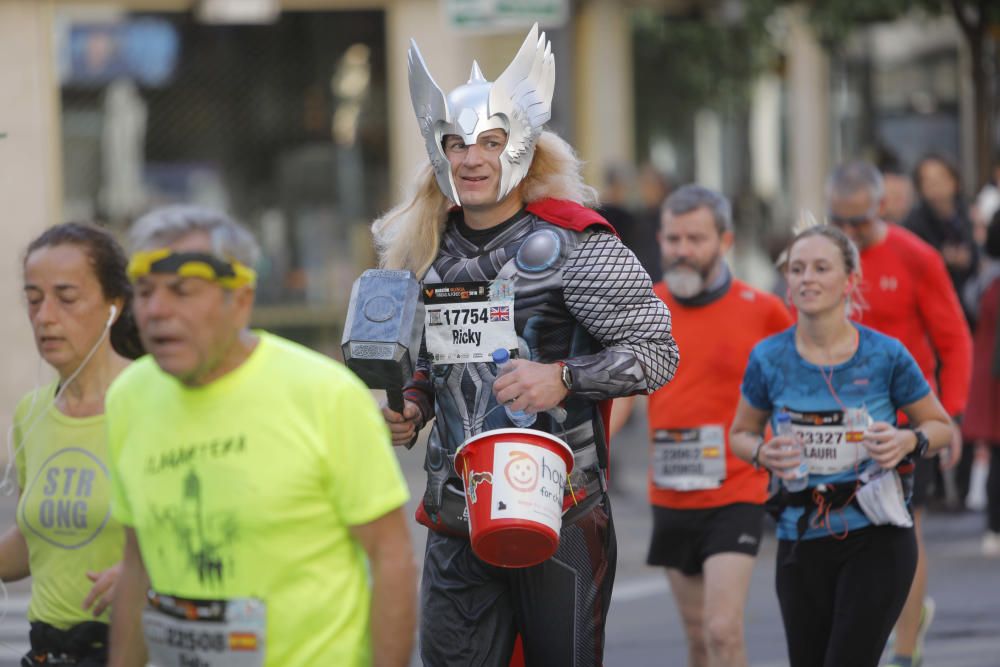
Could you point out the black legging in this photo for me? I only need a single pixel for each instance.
(993, 489)
(840, 598)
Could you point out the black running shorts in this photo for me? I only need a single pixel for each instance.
(684, 539)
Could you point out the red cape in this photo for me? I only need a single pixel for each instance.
(568, 214)
(565, 213)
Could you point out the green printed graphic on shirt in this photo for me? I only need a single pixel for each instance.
(204, 538)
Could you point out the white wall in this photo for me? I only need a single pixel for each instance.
(29, 177)
(809, 100)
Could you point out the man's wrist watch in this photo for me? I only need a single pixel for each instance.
(566, 376)
(923, 444)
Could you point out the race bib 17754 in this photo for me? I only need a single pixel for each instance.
(466, 322)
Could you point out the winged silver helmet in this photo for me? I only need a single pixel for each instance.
(518, 102)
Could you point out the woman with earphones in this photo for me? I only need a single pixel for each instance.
(79, 305)
(831, 389)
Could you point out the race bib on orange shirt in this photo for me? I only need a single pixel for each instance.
(690, 459)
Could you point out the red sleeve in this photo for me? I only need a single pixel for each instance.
(945, 323)
(781, 316)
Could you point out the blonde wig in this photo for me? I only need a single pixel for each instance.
(409, 235)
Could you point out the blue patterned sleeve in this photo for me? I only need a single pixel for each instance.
(754, 386)
(908, 383)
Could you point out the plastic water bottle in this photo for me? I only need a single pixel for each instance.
(519, 418)
(801, 478)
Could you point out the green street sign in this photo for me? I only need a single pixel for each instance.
(503, 15)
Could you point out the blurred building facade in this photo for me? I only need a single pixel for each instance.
(301, 124)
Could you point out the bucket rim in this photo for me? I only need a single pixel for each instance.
(567, 451)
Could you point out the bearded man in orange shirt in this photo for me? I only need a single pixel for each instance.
(707, 503)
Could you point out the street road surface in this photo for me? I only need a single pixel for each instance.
(644, 628)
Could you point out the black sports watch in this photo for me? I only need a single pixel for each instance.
(567, 376)
(923, 444)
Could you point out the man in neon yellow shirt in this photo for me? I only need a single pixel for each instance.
(253, 477)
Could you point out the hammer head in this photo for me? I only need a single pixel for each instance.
(382, 334)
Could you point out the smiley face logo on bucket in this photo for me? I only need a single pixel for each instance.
(67, 502)
(521, 471)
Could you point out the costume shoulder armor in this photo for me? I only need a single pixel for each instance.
(540, 251)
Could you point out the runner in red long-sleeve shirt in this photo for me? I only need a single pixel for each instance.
(910, 297)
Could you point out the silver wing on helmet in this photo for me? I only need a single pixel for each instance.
(431, 109)
(519, 102)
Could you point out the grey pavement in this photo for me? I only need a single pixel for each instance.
(644, 628)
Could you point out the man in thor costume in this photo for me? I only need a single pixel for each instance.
(499, 224)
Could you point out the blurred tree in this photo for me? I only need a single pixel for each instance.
(700, 58)
(975, 17)
(705, 56)
(979, 21)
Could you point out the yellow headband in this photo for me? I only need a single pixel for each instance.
(229, 274)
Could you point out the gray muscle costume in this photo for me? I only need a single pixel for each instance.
(583, 298)
(580, 297)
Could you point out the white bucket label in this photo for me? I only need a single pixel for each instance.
(528, 484)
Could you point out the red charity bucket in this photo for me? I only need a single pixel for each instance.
(514, 483)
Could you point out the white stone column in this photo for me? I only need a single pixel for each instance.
(30, 177)
(605, 95)
(809, 113)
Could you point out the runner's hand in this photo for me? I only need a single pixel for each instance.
(950, 457)
(780, 455)
(530, 386)
(888, 444)
(402, 427)
(103, 590)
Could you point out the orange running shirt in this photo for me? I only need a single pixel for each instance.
(715, 342)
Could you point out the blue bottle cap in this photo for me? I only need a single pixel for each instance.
(501, 356)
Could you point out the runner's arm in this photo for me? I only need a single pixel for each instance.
(13, 555)
(747, 432)
(747, 442)
(621, 410)
(606, 289)
(386, 540)
(929, 416)
(128, 648)
(945, 323)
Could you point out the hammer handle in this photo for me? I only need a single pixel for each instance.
(395, 398)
